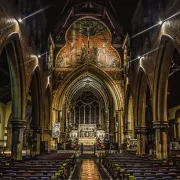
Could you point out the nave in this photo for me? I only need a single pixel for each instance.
(117, 166)
(89, 89)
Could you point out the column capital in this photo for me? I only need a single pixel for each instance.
(160, 125)
(140, 130)
(37, 129)
(120, 110)
(47, 131)
(55, 109)
(18, 123)
(128, 131)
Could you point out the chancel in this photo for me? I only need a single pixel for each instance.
(90, 89)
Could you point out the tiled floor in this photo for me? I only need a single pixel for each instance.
(89, 170)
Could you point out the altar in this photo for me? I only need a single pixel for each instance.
(87, 130)
(87, 142)
(87, 134)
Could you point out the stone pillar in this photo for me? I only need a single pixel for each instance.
(119, 115)
(113, 130)
(161, 130)
(118, 128)
(130, 133)
(18, 127)
(74, 111)
(90, 115)
(37, 137)
(141, 133)
(102, 118)
(46, 136)
(130, 122)
(106, 121)
(38, 142)
(53, 116)
(117, 139)
(84, 116)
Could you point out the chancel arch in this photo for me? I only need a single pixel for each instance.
(88, 66)
(95, 72)
(100, 112)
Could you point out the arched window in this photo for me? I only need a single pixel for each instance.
(87, 109)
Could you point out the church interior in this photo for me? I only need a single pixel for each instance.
(88, 89)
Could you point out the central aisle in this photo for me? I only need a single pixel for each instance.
(88, 167)
(89, 170)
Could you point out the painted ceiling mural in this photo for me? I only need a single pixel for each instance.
(88, 41)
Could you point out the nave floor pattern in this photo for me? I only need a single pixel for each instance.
(89, 170)
(88, 167)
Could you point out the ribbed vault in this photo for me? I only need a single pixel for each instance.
(88, 82)
(88, 76)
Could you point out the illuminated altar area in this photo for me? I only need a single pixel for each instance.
(87, 134)
(86, 125)
(88, 99)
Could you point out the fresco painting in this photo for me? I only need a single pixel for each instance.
(88, 41)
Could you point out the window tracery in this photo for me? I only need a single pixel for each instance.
(87, 109)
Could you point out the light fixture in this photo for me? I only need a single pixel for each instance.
(48, 79)
(160, 22)
(40, 55)
(139, 57)
(20, 20)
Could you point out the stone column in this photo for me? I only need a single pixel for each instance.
(130, 133)
(130, 122)
(53, 116)
(38, 143)
(84, 116)
(114, 129)
(74, 111)
(119, 115)
(46, 136)
(102, 118)
(161, 130)
(141, 133)
(90, 115)
(37, 137)
(68, 120)
(110, 129)
(18, 127)
(106, 122)
(117, 133)
(118, 128)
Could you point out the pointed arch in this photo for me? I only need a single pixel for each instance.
(141, 89)
(17, 75)
(35, 89)
(164, 58)
(109, 83)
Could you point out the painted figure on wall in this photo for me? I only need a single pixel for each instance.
(88, 41)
